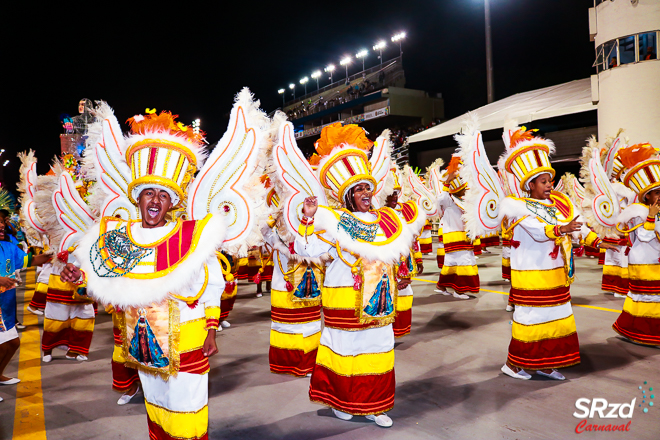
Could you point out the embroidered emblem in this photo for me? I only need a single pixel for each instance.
(8, 267)
(547, 213)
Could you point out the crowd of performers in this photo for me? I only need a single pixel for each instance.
(158, 230)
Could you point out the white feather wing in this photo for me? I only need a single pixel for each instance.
(112, 173)
(484, 193)
(600, 201)
(72, 212)
(296, 175)
(419, 193)
(28, 189)
(221, 185)
(381, 162)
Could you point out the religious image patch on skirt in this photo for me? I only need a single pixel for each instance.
(307, 281)
(151, 338)
(376, 303)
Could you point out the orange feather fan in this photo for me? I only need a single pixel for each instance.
(454, 163)
(521, 135)
(635, 154)
(165, 122)
(335, 135)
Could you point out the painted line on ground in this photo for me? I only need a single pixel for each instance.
(505, 293)
(29, 420)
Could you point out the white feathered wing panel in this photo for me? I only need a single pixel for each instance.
(221, 186)
(296, 175)
(28, 188)
(419, 193)
(72, 213)
(381, 163)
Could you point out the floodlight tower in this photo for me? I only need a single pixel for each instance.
(345, 62)
(316, 75)
(329, 69)
(362, 54)
(379, 47)
(292, 86)
(303, 81)
(281, 92)
(398, 38)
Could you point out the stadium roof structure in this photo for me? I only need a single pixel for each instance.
(563, 99)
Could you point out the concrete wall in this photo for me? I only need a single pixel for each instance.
(407, 102)
(630, 99)
(619, 18)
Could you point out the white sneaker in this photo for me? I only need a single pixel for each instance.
(125, 398)
(556, 375)
(12, 381)
(342, 415)
(381, 420)
(80, 357)
(509, 308)
(522, 374)
(443, 292)
(219, 329)
(461, 296)
(259, 295)
(35, 311)
(618, 295)
(309, 375)
(225, 324)
(47, 358)
(20, 326)
(1, 399)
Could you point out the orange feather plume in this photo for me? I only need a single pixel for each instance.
(635, 154)
(266, 181)
(315, 159)
(163, 122)
(521, 135)
(335, 134)
(454, 163)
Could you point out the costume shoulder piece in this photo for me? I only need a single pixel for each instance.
(560, 210)
(125, 273)
(385, 239)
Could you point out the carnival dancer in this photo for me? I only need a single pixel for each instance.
(540, 226)
(459, 271)
(165, 275)
(14, 259)
(403, 321)
(295, 298)
(354, 371)
(228, 297)
(435, 185)
(426, 239)
(640, 319)
(124, 379)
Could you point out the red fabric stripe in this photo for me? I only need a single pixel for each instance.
(407, 211)
(343, 319)
(638, 328)
(358, 395)
(440, 259)
(426, 248)
(388, 225)
(292, 316)
(461, 284)
(591, 251)
(550, 297)
(506, 272)
(226, 306)
(562, 206)
(547, 353)
(490, 241)
(644, 287)
(348, 166)
(152, 160)
(62, 296)
(157, 433)
(476, 249)
(613, 283)
(123, 377)
(193, 362)
(294, 362)
(76, 340)
(402, 323)
(458, 246)
(38, 300)
(116, 334)
(506, 242)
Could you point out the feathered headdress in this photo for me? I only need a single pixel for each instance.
(643, 166)
(527, 156)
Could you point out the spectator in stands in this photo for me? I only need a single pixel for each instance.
(613, 62)
(650, 55)
(381, 78)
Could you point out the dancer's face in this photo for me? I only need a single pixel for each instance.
(652, 197)
(362, 197)
(541, 186)
(392, 200)
(154, 204)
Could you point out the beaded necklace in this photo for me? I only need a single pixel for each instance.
(121, 254)
(545, 212)
(357, 230)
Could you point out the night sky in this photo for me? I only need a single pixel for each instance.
(192, 58)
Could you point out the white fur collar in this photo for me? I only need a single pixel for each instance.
(128, 292)
(283, 249)
(636, 210)
(325, 219)
(514, 208)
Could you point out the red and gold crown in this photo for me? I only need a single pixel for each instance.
(457, 184)
(344, 161)
(528, 156)
(162, 153)
(643, 168)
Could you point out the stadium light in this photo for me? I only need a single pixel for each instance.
(196, 124)
(345, 62)
(6, 162)
(399, 38)
(362, 54)
(329, 69)
(316, 75)
(292, 86)
(281, 92)
(303, 81)
(379, 47)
